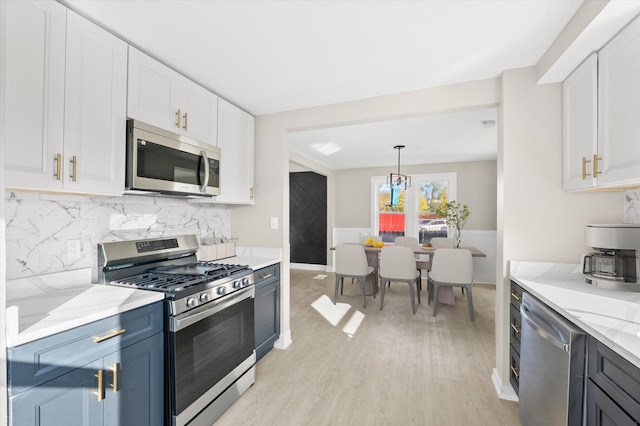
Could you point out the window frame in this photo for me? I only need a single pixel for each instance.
(412, 197)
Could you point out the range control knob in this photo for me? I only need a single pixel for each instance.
(191, 302)
(204, 297)
(237, 284)
(245, 282)
(221, 290)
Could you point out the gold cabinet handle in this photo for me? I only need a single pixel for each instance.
(265, 276)
(584, 168)
(108, 336)
(185, 121)
(515, 328)
(116, 371)
(74, 163)
(515, 296)
(515, 372)
(100, 392)
(58, 160)
(178, 116)
(595, 165)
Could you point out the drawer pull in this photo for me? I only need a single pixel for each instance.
(515, 296)
(108, 336)
(58, 160)
(185, 121)
(74, 168)
(178, 118)
(516, 328)
(265, 276)
(515, 372)
(100, 392)
(595, 165)
(116, 372)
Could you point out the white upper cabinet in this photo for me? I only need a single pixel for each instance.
(161, 97)
(65, 101)
(33, 91)
(236, 136)
(95, 108)
(601, 107)
(580, 119)
(619, 109)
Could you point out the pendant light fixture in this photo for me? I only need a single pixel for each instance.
(397, 180)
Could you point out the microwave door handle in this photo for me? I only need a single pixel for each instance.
(205, 182)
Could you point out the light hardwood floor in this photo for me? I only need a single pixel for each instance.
(397, 369)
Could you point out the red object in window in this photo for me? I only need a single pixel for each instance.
(390, 222)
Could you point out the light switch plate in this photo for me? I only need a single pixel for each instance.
(274, 223)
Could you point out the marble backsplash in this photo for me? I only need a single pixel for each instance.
(632, 206)
(39, 226)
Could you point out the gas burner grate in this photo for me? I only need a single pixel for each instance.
(158, 281)
(221, 270)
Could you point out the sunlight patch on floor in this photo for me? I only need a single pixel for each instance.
(332, 313)
(354, 322)
(320, 277)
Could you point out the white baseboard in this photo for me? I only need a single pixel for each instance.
(283, 341)
(308, 267)
(504, 392)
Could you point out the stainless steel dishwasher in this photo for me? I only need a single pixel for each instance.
(552, 352)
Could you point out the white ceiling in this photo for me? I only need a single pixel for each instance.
(272, 56)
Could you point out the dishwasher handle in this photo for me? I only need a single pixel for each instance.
(528, 318)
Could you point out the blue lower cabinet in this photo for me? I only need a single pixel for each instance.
(267, 308)
(121, 385)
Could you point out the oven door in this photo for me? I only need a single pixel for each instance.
(206, 347)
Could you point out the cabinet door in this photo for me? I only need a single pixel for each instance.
(134, 384)
(95, 109)
(619, 108)
(267, 316)
(153, 92)
(580, 132)
(199, 113)
(603, 411)
(236, 130)
(33, 91)
(70, 400)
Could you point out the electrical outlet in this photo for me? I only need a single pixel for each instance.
(74, 249)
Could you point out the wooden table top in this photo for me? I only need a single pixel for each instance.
(422, 250)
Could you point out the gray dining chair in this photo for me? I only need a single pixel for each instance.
(453, 268)
(442, 242)
(351, 261)
(397, 263)
(412, 242)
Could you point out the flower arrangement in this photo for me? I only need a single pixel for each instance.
(456, 215)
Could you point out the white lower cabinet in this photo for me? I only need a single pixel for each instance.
(64, 100)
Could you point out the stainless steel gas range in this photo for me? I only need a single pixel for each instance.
(210, 337)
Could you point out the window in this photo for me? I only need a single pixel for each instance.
(414, 213)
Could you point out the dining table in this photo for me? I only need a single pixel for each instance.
(423, 262)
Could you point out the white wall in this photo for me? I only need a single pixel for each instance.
(3, 250)
(537, 220)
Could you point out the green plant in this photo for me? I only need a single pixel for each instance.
(456, 215)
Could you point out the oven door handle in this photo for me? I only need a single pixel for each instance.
(210, 308)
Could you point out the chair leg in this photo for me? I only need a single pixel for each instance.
(418, 288)
(364, 297)
(413, 300)
(382, 294)
(335, 296)
(470, 300)
(436, 289)
(342, 284)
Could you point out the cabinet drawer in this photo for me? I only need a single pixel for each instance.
(515, 327)
(514, 369)
(602, 410)
(267, 275)
(516, 295)
(39, 361)
(616, 376)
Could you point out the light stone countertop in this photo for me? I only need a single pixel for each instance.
(612, 317)
(43, 305)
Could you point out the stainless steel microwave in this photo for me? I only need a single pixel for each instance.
(168, 163)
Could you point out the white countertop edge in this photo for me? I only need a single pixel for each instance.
(254, 263)
(569, 276)
(53, 328)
